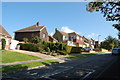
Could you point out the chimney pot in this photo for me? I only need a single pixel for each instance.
(38, 24)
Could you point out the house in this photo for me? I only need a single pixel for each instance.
(52, 39)
(76, 38)
(60, 35)
(31, 32)
(72, 39)
(4, 34)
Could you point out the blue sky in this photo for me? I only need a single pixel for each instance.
(66, 16)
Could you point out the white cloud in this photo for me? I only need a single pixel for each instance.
(92, 35)
(67, 29)
(51, 33)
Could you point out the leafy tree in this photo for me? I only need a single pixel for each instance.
(36, 39)
(110, 10)
(25, 40)
(110, 42)
(3, 43)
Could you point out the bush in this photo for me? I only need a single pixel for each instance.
(32, 47)
(36, 39)
(63, 52)
(76, 50)
(3, 43)
(68, 49)
(97, 49)
(25, 40)
(47, 49)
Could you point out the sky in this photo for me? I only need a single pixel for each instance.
(66, 16)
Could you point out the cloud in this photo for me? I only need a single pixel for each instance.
(92, 35)
(67, 29)
(51, 33)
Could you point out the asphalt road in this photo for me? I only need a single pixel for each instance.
(97, 67)
(112, 72)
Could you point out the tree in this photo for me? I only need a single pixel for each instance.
(3, 43)
(110, 42)
(111, 10)
(25, 40)
(36, 39)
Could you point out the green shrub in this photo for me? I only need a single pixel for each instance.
(68, 49)
(3, 43)
(36, 40)
(25, 40)
(47, 49)
(63, 52)
(97, 49)
(76, 49)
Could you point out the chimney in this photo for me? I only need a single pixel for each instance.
(37, 23)
(56, 29)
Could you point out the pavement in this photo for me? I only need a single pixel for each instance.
(77, 69)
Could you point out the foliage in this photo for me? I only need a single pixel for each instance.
(47, 49)
(110, 42)
(97, 49)
(63, 52)
(3, 43)
(10, 56)
(76, 50)
(110, 10)
(36, 40)
(25, 40)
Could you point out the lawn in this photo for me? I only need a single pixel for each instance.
(9, 56)
(80, 56)
(27, 65)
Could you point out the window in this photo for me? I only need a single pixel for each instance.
(74, 37)
(32, 34)
(43, 35)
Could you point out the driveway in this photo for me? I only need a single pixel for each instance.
(77, 69)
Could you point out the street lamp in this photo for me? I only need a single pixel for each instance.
(98, 41)
(98, 38)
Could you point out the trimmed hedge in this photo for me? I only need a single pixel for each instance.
(71, 49)
(31, 47)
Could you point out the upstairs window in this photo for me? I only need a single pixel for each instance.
(43, 35)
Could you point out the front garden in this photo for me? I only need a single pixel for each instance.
(50, 48)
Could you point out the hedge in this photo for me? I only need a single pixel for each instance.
(50, 47)
(71, 49)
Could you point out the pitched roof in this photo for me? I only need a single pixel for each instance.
(75, 34)
(3, 31)
(31, 29)
(63, 33)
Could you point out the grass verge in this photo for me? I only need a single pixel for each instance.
(25, 66)
(9, 56)
(79, 56)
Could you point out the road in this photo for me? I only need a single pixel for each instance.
(89, 68)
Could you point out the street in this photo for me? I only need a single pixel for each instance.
(97, 67)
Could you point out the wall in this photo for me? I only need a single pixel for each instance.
(20, 35)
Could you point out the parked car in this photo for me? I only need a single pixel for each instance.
(87, 49)
(116, 51)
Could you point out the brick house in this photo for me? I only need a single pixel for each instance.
(76, 38)
(52, 39)
(4, 34)
(72, 39)
(60, 35)
(31, 32)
